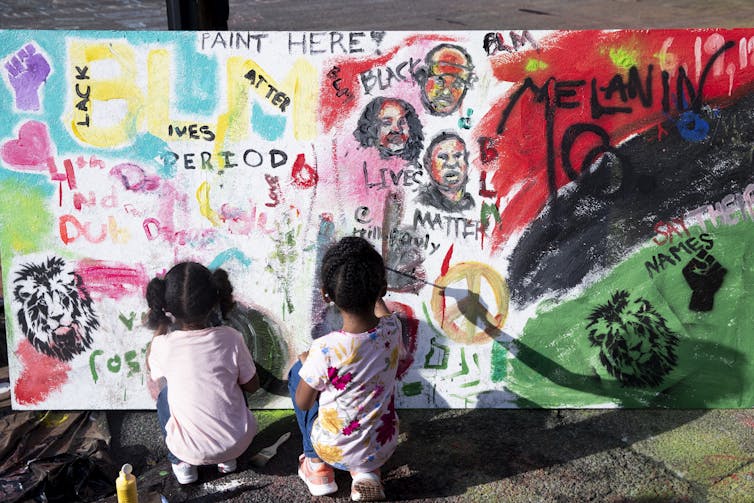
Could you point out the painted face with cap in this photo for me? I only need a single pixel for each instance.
(448, 77)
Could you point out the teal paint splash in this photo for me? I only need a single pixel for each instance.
(269, 126)
(148, 149)
(197, 96)
(228, 255)
(198, 78)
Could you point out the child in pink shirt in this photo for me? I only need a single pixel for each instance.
(205, 418)
(343, 388)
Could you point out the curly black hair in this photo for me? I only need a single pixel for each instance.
(189, 291)
(353, 275)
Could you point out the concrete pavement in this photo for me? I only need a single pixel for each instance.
(493, 455)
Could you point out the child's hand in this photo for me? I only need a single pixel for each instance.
(303, 356)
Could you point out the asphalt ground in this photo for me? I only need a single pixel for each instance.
(457, 455)
(612, 456)
(258, 15)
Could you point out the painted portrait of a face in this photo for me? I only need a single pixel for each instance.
(446, 78)
(446, 161)
(392, 127)
(449, 163)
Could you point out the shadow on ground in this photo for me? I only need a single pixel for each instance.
(443, 454)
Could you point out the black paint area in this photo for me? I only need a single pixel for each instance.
(613, 206)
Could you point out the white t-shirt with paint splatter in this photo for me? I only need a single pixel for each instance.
(357, 426)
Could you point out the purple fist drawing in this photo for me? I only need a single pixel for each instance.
(27, 70)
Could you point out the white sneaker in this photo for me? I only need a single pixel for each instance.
(228, 466)
(185, 473)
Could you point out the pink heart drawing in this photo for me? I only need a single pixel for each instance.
(31, 150)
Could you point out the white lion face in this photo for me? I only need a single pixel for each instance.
(54, 309)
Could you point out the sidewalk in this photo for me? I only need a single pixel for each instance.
(492, 455)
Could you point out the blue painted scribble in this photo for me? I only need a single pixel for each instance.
(228, 255)
(692, 127)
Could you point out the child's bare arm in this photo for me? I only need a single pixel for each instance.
(380, 309)
(305, 396)
(252, 385)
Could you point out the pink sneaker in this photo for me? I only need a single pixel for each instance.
(185, 473)
(319, 477)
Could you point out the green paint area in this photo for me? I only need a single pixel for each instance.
(24, 228)
(412, 388)
(556, 365)
(267, 417)
(499, 363)
(624, 58)
(532, 65)
(24, 221)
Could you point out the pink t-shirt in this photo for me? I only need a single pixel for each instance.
(357, 427)
(209, 419)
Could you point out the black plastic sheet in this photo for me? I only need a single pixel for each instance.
(55, 457)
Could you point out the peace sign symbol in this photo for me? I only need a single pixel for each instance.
(461, 319)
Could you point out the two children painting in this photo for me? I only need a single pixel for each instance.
(342, 388)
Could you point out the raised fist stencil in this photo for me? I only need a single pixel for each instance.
(27, 70)
(705, 275)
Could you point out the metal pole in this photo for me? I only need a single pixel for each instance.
(182, 14)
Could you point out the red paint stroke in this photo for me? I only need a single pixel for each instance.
(41, 375)
(446, 262)
(69, 174)
(443, 271)
(111, 279)
(334, 109)
(69, 235)
(573, 61)
(303, 176)
(406, 314)
(31, 150)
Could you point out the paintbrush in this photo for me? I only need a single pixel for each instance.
(262, 457)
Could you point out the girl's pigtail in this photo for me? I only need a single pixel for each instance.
(156, 317)
(221, 282)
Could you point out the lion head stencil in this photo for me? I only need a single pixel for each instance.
(53, 308)
(635, 344)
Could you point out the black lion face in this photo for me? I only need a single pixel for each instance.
(636, 346)
(54, 309)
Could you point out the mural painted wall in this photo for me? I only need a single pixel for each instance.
(567, 217)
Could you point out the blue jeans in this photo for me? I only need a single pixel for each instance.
(305, 418)
(163, 414)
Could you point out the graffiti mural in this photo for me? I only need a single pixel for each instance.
(566, 217)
